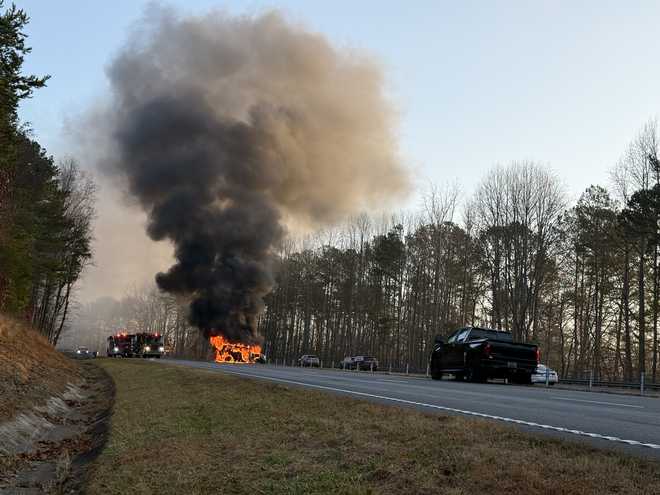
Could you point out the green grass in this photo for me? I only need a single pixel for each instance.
(182, 431)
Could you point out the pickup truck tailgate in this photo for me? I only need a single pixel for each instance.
(524, 355)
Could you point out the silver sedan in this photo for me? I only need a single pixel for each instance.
(539, 376)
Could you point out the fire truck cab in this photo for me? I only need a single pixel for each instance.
(119, 345)
(149, 345)
(136, 345)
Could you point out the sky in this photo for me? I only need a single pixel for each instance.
(567, 84)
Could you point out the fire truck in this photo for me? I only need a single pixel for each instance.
(136, 345)
(119, 345)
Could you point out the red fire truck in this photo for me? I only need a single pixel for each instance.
(136, 345)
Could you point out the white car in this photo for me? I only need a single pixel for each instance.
(539, 375)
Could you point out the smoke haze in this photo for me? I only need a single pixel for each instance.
(226, 129)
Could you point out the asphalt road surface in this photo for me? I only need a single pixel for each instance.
(626, 422)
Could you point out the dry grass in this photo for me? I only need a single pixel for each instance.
(31, 371)
(177, 430)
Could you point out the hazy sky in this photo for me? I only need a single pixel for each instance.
(476, 83)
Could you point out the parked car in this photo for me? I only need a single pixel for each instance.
(477, 354)
(364, 363)
(367, 363)
(309, 360)
(539, 375)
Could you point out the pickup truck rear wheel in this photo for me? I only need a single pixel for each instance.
(522, 379)
(474, 375)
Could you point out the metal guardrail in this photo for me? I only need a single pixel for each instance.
(588, 383)
(598, 383)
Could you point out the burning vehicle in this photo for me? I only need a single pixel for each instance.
(236, 352)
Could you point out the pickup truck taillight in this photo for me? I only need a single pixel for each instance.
(487, 350)
(538, 355)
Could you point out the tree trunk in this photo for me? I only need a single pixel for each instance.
(642, 313)
(628, 372)
(64, 313)
(655, 312)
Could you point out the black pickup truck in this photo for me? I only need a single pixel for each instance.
(477, 354)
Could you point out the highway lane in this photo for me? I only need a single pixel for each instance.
(626, 422)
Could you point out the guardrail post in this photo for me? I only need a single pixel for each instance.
(371, 365)
(641, 383)
(427, 370)
(320, 364)
(407, 368)
(591, 379)
(547, 376)
(390, 370)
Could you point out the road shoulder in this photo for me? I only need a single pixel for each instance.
(178, 430)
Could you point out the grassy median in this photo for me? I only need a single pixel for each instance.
(182, 431)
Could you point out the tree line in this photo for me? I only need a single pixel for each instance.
(581, 280)
(46, 209)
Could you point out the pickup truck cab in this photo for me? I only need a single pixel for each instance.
(477, 354)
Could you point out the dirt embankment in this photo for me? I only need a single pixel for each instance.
(53, 414)
(31, 371)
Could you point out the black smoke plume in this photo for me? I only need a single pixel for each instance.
(225, 129)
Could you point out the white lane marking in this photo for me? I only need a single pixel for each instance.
(599, 402)
(453, 409)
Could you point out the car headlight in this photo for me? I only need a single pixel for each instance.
(78, 351)
(116, 349)
(147, 348)
(161, 349)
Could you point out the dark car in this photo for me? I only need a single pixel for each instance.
(261, 359)
(477, 354)
(364, 363)
(309, 360)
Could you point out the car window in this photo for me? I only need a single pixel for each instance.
(452, 337)
(483, 333)
(461, 336)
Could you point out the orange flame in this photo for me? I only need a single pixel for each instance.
(230, 352)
